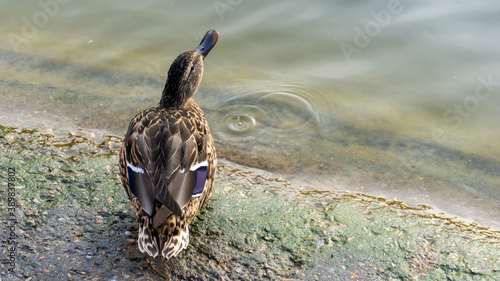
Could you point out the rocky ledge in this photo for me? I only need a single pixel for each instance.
(71, 221)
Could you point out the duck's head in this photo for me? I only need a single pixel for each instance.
(184, 75)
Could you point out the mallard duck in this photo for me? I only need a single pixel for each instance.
(168, 160)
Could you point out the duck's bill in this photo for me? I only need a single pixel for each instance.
(208, 42)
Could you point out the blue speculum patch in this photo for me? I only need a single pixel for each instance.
(201, 178)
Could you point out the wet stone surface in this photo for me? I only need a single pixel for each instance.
(74, 223)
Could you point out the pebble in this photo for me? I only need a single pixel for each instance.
(320, 242)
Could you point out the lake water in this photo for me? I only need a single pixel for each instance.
(398, 99)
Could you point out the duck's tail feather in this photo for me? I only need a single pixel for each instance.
(147, 241)
(172, 245)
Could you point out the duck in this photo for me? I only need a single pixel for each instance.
(168, 160)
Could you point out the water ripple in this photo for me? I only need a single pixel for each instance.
(268, 114)
(239, 123)
(273, 125)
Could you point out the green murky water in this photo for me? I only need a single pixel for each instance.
(397, 99)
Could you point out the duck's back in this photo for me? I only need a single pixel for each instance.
(167, 166)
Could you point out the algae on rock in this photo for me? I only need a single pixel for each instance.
(74, 222)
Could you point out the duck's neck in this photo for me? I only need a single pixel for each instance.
(174, 96)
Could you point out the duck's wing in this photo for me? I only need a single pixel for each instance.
(164, 163)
